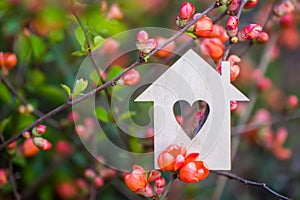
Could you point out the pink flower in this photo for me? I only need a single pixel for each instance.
(249, 32)
(63, 148)
(132, 77)
(98, 181)
(279, 151)
(115, 12)
(292, 101)
(3, 178)
(232, 26)
(154, 174)
(263, 37)
(283, 8)
(169, 159)
(39, 130)
(187, 10)
(219, 32)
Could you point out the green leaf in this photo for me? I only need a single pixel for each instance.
(37, 77)
(191, 34)
(79, 53)
(38, 47)
(97, 42)
(23, 49)
(5, 94)
(114, 71)
(55, 93)
(80, 37)
(19, 160)
(80, 85)
(4, 123)
(101, 114)
(66, 89)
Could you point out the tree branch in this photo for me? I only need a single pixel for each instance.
(166, 191)
(107, 84)
(252, 183)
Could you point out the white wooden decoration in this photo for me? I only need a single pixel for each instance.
(192, 79)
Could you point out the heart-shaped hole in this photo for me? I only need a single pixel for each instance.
(191, 118)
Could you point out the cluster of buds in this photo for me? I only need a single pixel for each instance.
(144, 43)
(26, 109)
(234, 5)
(174, 159)
(8, 60)
(266, 137)
(93, 176)
(139, 182)
(283, 8)
(32, 145)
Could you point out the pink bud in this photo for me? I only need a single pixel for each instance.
(233, 5)
(147, 192)
(292, 101)
(3, 178)
(154, 174)
(232, 23)
(187, 10)
(89, 173)
(81, 130)
(42, 143)
(234, 72)
(179, 119)
(283, 8)
(63, 148)
(142, 37)
(159, 186)
(203, 27)
(132, 77)
(26, 135)
(288, 20)
(107, 173)
(115, 12)
(264, 84)
(39, 130)
(263, 37)
(250, 4)
(73, 116)
(233, 59)
(249, 32)
(98, 181)
(233, 105)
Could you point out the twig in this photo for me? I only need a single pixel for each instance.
(166, 191)
(230, 44)
(220, 16)
(107, 84)
(24, 101)
(252, 183)
(12, 180)
(90, 54)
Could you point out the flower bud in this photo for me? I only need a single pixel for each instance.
(213, 47)
(42, 143)
(264, 84)
(63, 148)
(89, 174)
(8, 60)
(187, 10)
(81, 130)
(142, 37)
(233, 5)
(219, 32)
(39, 130)
(292, 101)
(203, 27)
(250, 4)
(98, 181)
(132, 77)
(136, 180)
(107, 173)
(3, 178)
(26, 135)
(232, 26)
(154, 174)
(115, 12)
(159, 185)
(147, 192)
(233, 105)
(28, 148)
(73, 116)
(12, 148)
(249, 32)
(263, 37)
(283, 8)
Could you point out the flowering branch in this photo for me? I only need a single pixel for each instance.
(252, 183)
(107, 84)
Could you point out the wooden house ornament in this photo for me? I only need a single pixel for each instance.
(192, 79)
